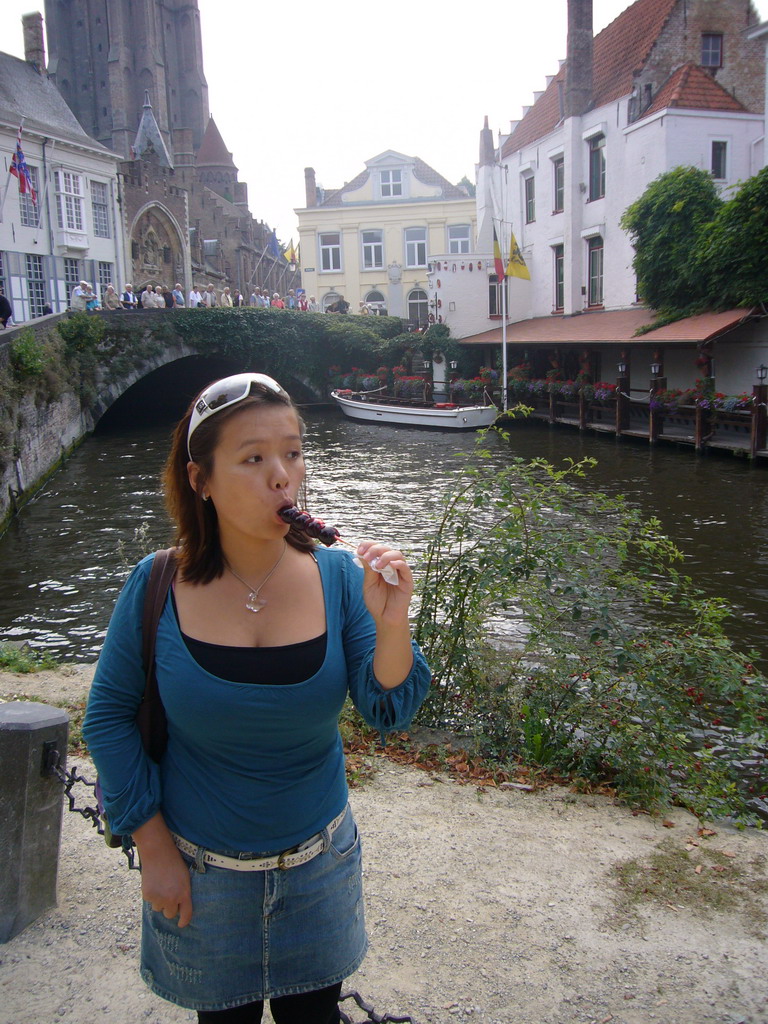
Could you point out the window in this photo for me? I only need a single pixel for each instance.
(69, 201)
(330, 251)
(711, 50)
(719, 154)
(72, 274)
(35, 285)
(105, 277)
(558, 253)
(597, 167)
(558, 185)
(391, 184)
(30, 212)
(100, 207)
(530, 199)
(373, 250)
(329, 299)
(415, 247)
(595, 269)
(458, 239)
(418, 308)
(495, 297)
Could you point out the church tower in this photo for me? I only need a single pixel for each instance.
(105, 56)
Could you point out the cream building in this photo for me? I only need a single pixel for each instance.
(371, 240)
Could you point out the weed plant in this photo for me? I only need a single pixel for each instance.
(619, 671)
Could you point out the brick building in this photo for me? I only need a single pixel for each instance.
(668, 83)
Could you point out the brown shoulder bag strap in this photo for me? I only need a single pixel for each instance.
(161, 574)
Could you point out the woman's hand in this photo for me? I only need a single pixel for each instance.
(164, 874)
(388, 603)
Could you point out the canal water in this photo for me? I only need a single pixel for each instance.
(64, 558)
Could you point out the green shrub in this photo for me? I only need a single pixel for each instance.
(23, 659)
(27, 356)
(561, 632)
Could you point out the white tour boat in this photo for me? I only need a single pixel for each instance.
(394, 412)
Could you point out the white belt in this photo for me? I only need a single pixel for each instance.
(287, 859)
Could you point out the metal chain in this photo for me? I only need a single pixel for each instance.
(70, 779)
(373, 1017)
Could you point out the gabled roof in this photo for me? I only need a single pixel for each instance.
(213, 151)
(421, 170)
(693, 88)
(620, 49)
(27, 94)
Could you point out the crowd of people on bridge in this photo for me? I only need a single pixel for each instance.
(83, 298)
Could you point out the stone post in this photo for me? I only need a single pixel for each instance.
(31, 805)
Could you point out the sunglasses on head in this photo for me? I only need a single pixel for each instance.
(223, 393)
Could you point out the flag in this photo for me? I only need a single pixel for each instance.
(21, 171)
(291, 254)
(497, 260)
(516, 267)
(273, 246)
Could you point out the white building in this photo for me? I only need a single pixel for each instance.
(73, 232)
(668, 83)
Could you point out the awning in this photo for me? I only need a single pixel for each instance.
(611, 327)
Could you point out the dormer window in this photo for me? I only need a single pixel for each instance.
(391, 184)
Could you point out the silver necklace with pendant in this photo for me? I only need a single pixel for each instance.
(255, 603)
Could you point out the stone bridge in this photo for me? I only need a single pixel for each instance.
(36, 434)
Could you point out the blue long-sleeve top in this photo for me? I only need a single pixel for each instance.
(256, 768)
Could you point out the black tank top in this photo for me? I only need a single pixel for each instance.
(291, 663)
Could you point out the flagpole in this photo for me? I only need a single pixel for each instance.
(10, 169)
(5, 193)
(504, 341)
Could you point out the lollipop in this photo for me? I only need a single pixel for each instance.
(327, 535)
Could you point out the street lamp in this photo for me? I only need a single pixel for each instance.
(762, 373)
(454, 364)
(622, 368)
(655, 369)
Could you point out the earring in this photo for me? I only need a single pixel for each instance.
(206, 497)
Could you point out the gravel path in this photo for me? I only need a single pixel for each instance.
(493, 907)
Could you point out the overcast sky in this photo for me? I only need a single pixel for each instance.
(334, 86)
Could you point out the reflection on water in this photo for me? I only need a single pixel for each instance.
(63, 567)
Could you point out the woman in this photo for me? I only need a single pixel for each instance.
(259, 643)
(226, 298)
(112, 299)
(277, 302)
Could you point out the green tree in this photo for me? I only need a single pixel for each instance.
(666, 224)
(468, 185)
(732, 251)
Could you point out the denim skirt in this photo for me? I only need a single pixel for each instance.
(258, 935)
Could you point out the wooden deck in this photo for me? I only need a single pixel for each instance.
(689, 427)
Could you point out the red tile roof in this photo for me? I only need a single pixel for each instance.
(610, 326)
(693, 88)
(619, 50)
(213, 152)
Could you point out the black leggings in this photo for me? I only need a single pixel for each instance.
(319, 1007)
